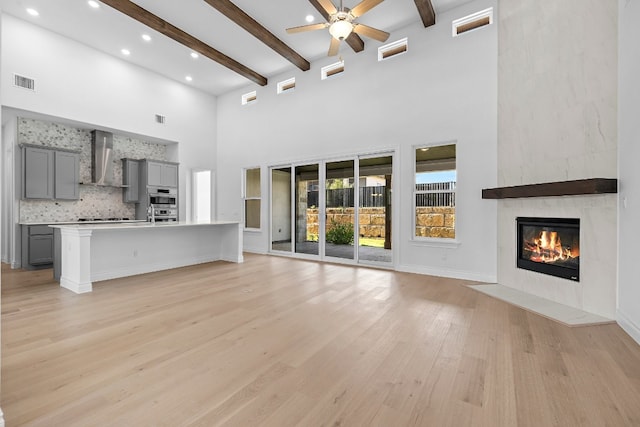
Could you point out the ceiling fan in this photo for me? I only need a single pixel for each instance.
(341, 23)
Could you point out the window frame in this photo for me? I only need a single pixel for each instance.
(431, 241)
(245, 198)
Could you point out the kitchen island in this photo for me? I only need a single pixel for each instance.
(95, 252)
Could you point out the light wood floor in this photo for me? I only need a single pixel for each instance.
(283, 342)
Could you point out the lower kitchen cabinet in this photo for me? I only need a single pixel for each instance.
(37, 246)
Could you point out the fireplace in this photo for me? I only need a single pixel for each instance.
(549, 246)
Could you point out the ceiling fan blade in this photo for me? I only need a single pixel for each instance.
(364, 6)
(328, 6)
(371, 32)
(334, 47)
(304, 28)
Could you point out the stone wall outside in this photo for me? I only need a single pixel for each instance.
(430, 221)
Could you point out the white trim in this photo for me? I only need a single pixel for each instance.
(1, 418)
(77, 287)
(435, 242)
(444, 272)
(628, 325)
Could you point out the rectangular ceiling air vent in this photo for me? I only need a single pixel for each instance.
(249, 98)
(161, 119)
(24, 82)
(392, 49)
(288, 85)
(332, 70)
(472, 22)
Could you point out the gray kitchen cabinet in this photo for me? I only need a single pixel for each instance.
(50, 173)
(38, 165)
(131, 180)
(67, 165)
(162, 174)
(37, 246)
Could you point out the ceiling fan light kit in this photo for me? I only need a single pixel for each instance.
(341, 25)
(340, 29)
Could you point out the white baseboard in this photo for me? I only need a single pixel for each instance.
(628, 325)
(78, 288)
(1, 418)
(453, 274)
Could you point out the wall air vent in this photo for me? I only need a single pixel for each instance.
(392, 49)
(288, 85)
(24, 82)
(161, 119)
(472, 22)
(249, 98)
(332, 70)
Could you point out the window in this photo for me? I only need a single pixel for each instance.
(252, 199)
(392, 49)
(472, 22)
(249, 98)
(287, 85)
(435, 191)
(331, 70)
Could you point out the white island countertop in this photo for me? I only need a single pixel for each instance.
(100, 251)
(102, 225)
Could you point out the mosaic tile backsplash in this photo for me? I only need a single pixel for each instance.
(94, 202)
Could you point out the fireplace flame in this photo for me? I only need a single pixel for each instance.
(547, 247)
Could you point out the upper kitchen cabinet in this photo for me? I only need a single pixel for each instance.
(161, 174)
(66, 175)
(38, 167)
(131, 180)
(49, 173)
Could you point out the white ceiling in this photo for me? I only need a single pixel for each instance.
(110, 31)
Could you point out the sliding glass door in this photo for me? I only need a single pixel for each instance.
(374, 209)
(339, 210)
(307, 202)
(334, 210)
(281, 209)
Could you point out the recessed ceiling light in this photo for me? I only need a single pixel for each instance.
(94, 4)
(188, 78)
(194, 55)
(309, 18)
(146, 37)
(32, 12)
(125, 52)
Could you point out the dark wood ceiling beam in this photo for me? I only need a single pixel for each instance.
(426, 11)
(160, 25)
(237, 15)
(354, 40)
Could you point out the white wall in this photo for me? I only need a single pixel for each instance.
(443, 89)
(8, 241)
(81, 84)
(628, 314)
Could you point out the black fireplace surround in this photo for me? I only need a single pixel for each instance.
(549, 246)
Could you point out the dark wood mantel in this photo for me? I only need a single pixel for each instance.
(548, 189)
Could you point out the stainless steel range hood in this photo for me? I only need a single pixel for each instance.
(101, 158)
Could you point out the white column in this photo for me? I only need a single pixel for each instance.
(76, 260)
